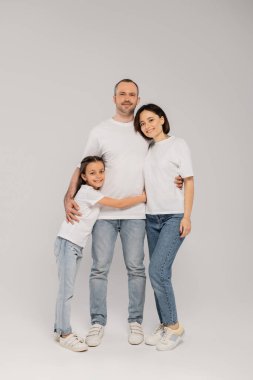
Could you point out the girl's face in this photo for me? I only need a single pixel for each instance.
(151, 125)
(94, 174)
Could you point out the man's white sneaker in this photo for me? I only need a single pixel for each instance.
(170, 339)
(95, 335)
(136, 335)
(74, 343)
(154, 338)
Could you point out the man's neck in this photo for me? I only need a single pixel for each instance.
(123, 118)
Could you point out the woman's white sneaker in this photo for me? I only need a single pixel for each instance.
(95, 335)
(136, 335)
(154, 338)
(74, 343)
(170, 339)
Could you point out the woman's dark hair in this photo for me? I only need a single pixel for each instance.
(155, 109)
(84, 163)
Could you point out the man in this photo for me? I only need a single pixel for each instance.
(124, 152)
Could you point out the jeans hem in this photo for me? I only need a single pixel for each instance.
(61, 332)
(98, 322)
(138, 320)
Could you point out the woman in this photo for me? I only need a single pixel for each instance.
(168, 215)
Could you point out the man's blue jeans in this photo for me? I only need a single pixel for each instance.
(164, 241)
(68, 256)
(104, 235)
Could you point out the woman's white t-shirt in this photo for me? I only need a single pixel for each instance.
(78, 233)
(165, 160)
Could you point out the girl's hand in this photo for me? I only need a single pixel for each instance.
(144, 197)
(185, 227)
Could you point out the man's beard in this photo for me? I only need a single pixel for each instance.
(128, 111)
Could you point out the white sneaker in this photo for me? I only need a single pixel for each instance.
(74, 343)
(136, 335)
(170, 339)
(56, 337)
(154, 338)
(95, 335)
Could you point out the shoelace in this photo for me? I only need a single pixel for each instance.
(94, 330)
(168, 335)
(158, 329)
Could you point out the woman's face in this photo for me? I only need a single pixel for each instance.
(151, 124)
(94, 174)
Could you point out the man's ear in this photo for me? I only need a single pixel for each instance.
(114, 99)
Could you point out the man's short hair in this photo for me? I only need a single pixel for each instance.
(127, 81)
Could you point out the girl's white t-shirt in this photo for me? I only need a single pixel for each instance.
(78, 233)
(165, 160)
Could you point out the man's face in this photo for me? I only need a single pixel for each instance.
(126, 98)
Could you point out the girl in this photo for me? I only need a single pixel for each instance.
(72, 238)
(168, 215)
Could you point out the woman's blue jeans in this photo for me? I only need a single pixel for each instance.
(164, 241)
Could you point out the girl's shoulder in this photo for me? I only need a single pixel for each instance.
(88, 194)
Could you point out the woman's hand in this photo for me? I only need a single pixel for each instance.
(185, 227)
(179, 181)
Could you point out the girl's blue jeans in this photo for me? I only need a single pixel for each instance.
(164, 241)
(68, 256)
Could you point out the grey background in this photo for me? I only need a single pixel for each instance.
(59, 63)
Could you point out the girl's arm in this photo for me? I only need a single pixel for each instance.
(124, 202)
(185, 225)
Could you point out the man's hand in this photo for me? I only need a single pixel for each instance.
(179, 182)
(71, 209)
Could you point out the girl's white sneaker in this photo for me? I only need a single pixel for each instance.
(74, 343)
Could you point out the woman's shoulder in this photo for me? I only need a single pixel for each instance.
(180, 142)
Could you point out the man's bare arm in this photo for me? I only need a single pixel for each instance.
(71, 207)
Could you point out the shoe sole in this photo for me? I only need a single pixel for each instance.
(135, 344)
(170, 348)
(153, 344)
(96, 344)
(73, 350)
(93, 345)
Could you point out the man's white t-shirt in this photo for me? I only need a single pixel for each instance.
(78, 233)
(124, 152)
(165, 160)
